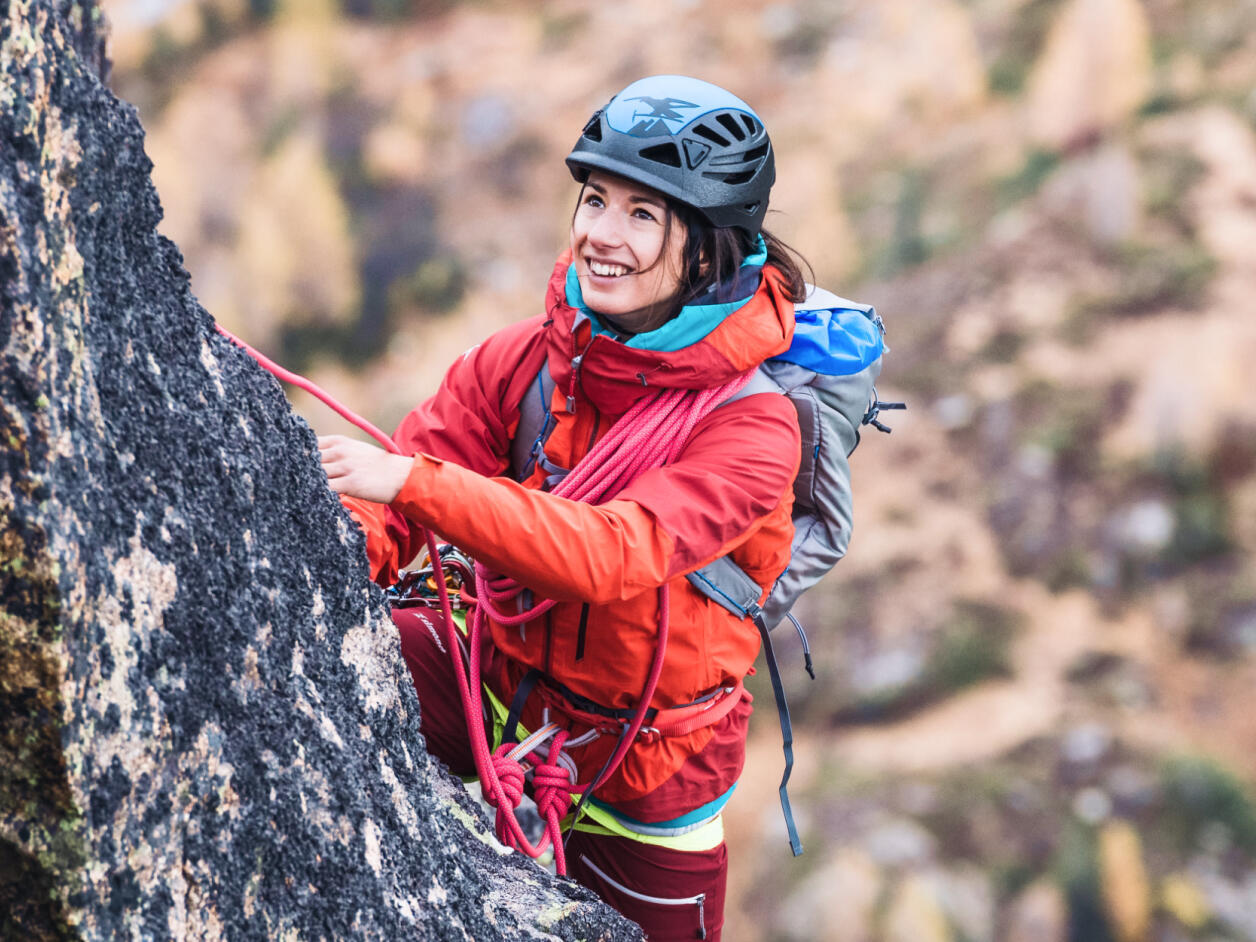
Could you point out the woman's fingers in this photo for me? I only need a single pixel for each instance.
(332, 446)
(361, 470)
(340, 455)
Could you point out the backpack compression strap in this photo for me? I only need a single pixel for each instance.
(725, 583)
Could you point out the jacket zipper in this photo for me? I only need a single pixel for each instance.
(584, 624)
(597, 425)
(576, 362)
(549, 633)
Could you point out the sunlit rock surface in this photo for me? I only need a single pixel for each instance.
(1094, 73)
(207, 730)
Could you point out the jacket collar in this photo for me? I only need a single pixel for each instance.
(612, 374)
(696, 319)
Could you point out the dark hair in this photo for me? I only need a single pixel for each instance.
(712, 255)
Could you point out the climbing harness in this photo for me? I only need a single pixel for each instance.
(651, 434)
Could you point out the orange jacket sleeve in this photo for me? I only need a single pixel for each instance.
(469, 421)
(669, 521)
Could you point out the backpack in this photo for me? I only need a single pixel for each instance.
(828, 374)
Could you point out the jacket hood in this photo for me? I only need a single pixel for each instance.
(614, 375)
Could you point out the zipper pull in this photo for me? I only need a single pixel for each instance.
(571, 388)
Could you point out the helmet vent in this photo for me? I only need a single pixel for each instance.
(593, 130)
(730, 122)
(715, 137)
(757, 153)
(731, 179)
(667, 153)
(695, 152)
(750, 124)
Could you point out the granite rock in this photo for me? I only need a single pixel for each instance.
(207, 730)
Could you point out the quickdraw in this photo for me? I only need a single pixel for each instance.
(419, 586)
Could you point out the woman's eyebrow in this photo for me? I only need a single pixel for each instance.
(647, 199)
(600, 190)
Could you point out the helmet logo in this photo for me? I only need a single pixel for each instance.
(658, 115)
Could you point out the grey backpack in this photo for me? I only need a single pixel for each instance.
(828, 374)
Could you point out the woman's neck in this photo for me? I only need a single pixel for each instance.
(641, 322)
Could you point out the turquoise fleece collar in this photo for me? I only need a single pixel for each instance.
(695, 320)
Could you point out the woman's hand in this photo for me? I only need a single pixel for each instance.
(361, 470)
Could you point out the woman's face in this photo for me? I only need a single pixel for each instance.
(626, 272)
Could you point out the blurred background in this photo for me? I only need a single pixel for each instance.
(1034, 718)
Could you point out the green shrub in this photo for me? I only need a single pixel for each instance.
(1020, 45)
(1199, 792)
(1023, 184)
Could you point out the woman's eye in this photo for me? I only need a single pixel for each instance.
(644, 214)
(591, 200)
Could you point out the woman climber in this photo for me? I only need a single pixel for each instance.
(669, 298)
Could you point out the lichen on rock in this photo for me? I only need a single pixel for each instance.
(208, 730)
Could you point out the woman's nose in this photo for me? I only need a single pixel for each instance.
(607, 229)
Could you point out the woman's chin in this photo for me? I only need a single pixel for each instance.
(608, 304)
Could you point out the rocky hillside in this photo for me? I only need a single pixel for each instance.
(1033, 718)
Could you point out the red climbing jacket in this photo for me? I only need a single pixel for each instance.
(731, 490)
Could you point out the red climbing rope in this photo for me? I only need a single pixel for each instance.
(651, 434)
(296, 379)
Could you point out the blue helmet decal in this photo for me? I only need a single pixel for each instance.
(664, 104)
(658, 116)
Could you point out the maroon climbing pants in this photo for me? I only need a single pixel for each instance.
(672, 894)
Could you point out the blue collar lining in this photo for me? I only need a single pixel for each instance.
(696, 319)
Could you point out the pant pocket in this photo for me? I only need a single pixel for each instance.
(662, 917)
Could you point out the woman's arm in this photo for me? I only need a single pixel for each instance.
(669, 521)
(469, 421)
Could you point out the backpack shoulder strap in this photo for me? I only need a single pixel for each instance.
(761, 381)
(536, 421)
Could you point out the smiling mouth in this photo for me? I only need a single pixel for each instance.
(607, 270)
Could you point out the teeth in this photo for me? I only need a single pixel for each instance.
(601, 268)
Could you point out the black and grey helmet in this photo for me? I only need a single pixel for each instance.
(688, 139)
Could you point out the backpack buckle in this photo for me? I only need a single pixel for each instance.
(874, 410)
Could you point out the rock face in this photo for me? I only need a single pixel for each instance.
(1094, 73)
(207, 728)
